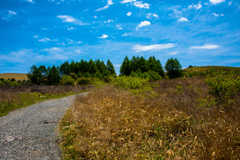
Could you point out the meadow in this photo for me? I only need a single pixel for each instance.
(186, 118)
(16, 76)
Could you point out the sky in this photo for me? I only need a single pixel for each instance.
(50, 32)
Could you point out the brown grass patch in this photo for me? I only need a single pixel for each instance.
(182, 121)
(17, 76)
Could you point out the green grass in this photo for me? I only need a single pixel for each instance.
(26, 99)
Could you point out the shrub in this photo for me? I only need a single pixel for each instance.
(1, 83)
(73, 75)
(108, 79)
(67, 80)
(13, 80)
(84, 81)
(153, 76)
(129, 82)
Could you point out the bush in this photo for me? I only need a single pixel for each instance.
(74, 76)
(84, 81)
(153, 76)
(1, 83)
(108, 79)
(129, 82)
(67, 80)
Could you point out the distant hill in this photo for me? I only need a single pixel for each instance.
(17, 76)
(202, 71)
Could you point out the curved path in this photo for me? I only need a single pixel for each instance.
(30, 133)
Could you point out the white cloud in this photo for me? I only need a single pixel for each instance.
(183, 19)
(119, 27)
(117, 65)
(31, 1)
(35, 36)
(216, 15)
(229, 3)
(95, 17)
(144, 23)
(197, 6)
(141, 5)
(150, 15)
(129, 13)
(173, 53)
(104, 36)
(216, 1)
(71, 28)
(128, 1)
(44, 40)
(156, 47)
(11, 12)
(207, 46)
(70, 19)
(125, 34)
(105, 7)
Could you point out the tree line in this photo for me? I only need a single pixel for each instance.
(141, 67)
(52, 75)
(135, 67)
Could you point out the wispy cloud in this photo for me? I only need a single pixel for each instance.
(143, 23)
(138, 4)
(155, 47)
(216, 15)
(207, 46)
(151, 15)
(129, 13)
(31, 1)
(11, 12)
(128, 1)
(183, 19)
(173, 53)
(109, 3)
(197, 6)
(70, 19)
(216, 1)
(103, 36)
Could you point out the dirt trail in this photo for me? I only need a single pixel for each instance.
(30, 133)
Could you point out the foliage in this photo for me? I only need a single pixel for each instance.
(53, 76)
(67, 80)
(173, 68)
(141, 66)
(223, 85)
(110, 68)
(153, 76)
(84, 81)
(74, 76)
(129, 82)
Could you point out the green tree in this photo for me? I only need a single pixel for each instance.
(173, 68)
(125, 67)
(65, 68)
(53, 76)
(35, 75)
(92, 67)
(111, 68)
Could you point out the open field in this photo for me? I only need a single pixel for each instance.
(185, 118)
(17, 76)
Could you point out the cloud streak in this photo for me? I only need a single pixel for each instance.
(109, 3)
(70, 19)
(155, 47)
(207, 46)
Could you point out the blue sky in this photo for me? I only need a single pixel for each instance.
(49, 32)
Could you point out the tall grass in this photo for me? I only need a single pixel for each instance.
(180, 121)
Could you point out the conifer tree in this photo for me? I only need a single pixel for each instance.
(111, 68)
(53, 77)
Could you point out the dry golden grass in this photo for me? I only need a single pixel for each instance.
(17, 76)
(178, 120)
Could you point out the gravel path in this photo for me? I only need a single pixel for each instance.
(30, 133)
